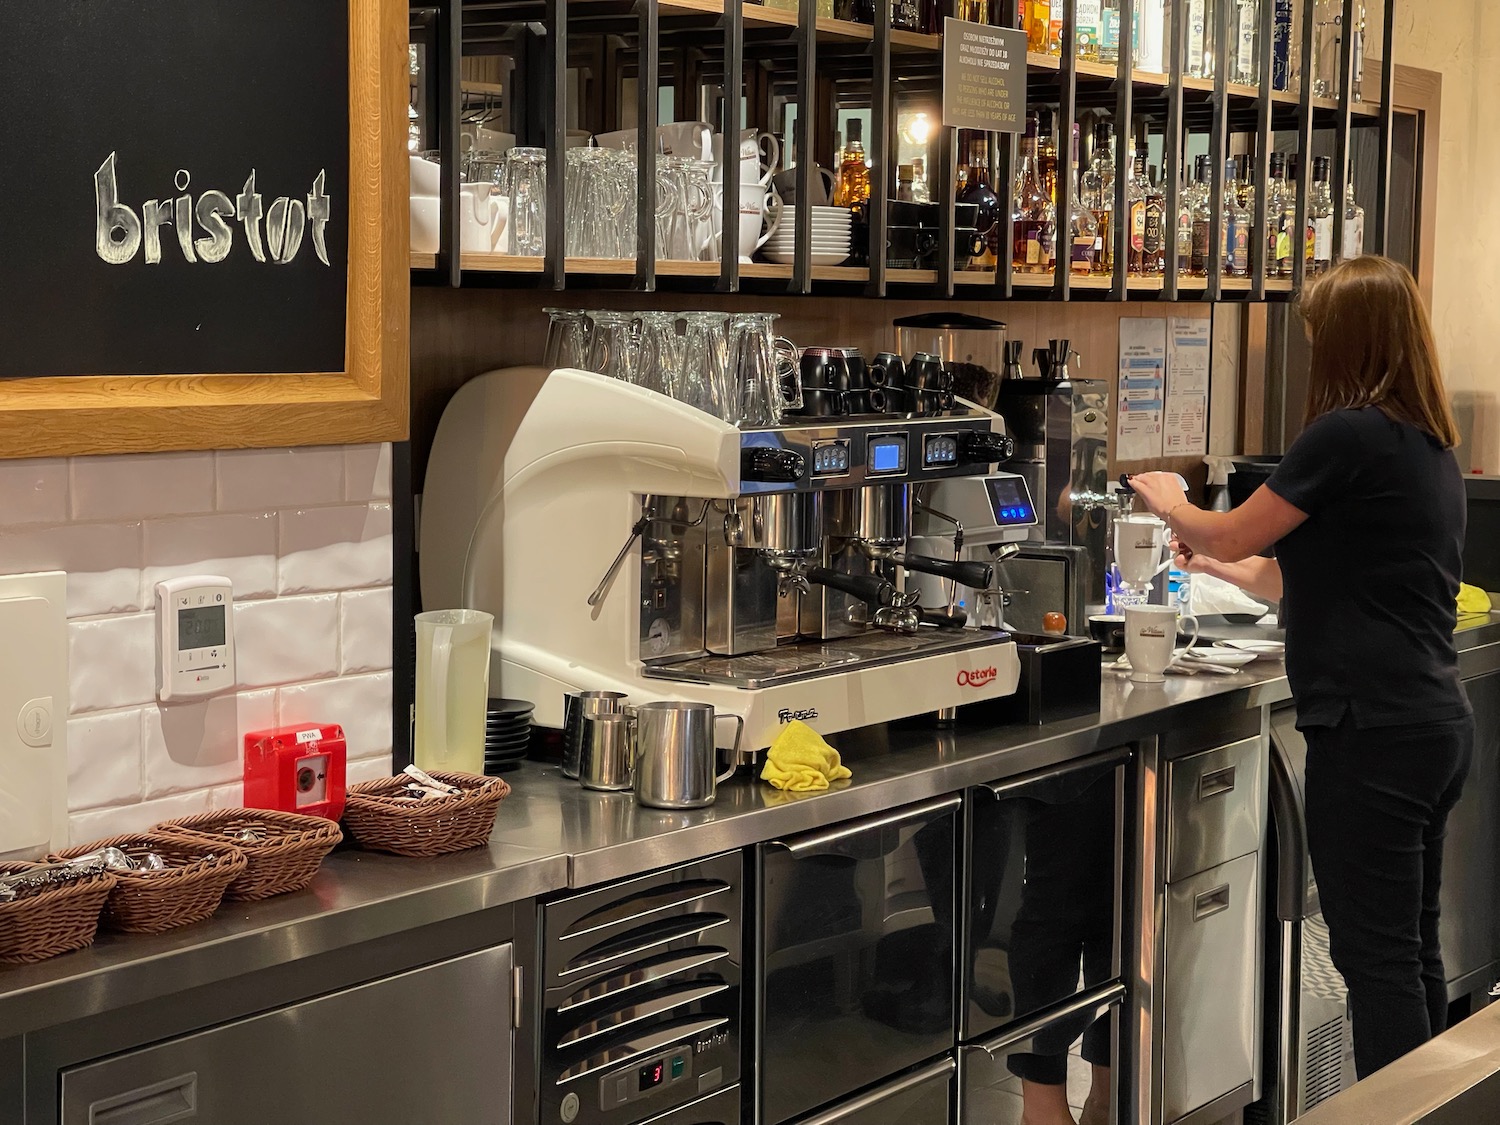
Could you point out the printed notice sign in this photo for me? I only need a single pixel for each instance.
(984, 77)
(1138, 413)
(1185, 431)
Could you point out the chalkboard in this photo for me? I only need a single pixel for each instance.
(175, 188)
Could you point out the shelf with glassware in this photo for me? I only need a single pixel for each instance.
(891, 91)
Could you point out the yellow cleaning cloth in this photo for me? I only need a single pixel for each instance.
(801, 762)
(1471, 599)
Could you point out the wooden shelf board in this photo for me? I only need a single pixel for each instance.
(1198, 85)
(1278, 285)
(1036, 60)
(911, 277)
(1285, 97)
(615, 266)
(686, 269)
(915, 41)
(840, 273)
(1149, 78)
(423, 261)
(766, 270)
(1236, 90)
(1088, 69)
(501, 263)
(1234, 285)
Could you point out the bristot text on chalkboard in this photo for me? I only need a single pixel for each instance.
(120, 233)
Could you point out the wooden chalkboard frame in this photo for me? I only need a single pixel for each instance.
(366, 402)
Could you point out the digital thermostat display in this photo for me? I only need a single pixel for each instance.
(887, 455)
(653, 1074)
(1010, 502)
(200, 628)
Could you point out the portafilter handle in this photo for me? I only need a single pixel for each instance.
(974, 574)
(867, 588)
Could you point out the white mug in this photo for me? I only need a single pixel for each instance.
(824, 185)
(425, 212)
(426, 176)
(760, 216)
(756, 167)
(1140, 543)
(1151, 637)
(482, 216)
(687, 138)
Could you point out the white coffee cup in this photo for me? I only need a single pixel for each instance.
(482, 216)
(760, 216)
(1140, 544)
(426, 176)
(760, 153)
(425, 217)
(1150, 638)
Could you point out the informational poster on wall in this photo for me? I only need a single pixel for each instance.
(1185, 426)
(984, 77)
(1140, 401)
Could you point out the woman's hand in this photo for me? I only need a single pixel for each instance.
(1159, 491)
(1185, 558)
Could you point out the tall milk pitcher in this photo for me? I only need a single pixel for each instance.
(453, 688)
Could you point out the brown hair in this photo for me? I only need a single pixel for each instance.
(1372, 345)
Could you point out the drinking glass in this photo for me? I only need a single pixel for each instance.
(613, 346)
(759, 364)
(705, 364)
(486, 166)
(567, 339)
(527, 182)
(600, 203)
(684, 209)
(659, 363)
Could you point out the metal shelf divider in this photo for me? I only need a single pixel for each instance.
(1304, 147)
(1343, 123)
(1218, 150)
(1067, 113)
(450, 100)
(1260, 244)
(1005, 163)
(1119, 289)
(554, 268)
(1173, 148)
(807, 59)
(1382, 224)
(648, 120)
(877, 212)
(729, 153)
(947, 157)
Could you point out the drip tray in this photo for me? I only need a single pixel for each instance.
(807, 660)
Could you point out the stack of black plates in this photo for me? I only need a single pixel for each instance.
(507, 734)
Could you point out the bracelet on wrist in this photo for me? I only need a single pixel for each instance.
(1173, 510)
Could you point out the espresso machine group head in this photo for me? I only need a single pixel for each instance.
(629, 542)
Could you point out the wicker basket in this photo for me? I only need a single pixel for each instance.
(53, 920)
(189, 889)
(285, 858)
(435, 826)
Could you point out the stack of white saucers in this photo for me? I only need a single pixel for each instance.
(830, 236)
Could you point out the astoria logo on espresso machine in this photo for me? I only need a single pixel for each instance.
(978, 677)
(120, 233)
(785, 716)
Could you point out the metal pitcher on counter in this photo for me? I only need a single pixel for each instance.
(676, 754)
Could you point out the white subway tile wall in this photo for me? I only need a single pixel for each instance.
(305, 535)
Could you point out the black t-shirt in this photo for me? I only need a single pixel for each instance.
(1371, 577)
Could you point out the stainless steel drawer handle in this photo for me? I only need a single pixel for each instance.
(1215, 783)
(176, 1099)
(1209, 903)
(835, 836)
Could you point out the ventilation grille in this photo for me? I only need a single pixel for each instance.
(1323, 1074)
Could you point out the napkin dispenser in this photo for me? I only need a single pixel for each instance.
(297, 770)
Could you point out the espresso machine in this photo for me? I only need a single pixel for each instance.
(626, 541)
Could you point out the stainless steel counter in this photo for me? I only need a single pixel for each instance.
(552, 835)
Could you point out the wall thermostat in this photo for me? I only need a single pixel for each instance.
(194, 637)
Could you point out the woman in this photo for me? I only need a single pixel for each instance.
(1367, 514)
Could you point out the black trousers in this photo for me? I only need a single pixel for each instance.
(1377, 807)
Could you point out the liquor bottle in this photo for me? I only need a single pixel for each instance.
(853, 186)
(1281, 46)
(1354, 224)
(1203, 217)
(1083, 228)
(1154, 263)
(1357, 89)
(920, 192)
(905, 178)
(1136, 190)
(1198, 60)
(1244, 179)
(1246, 62)
(1185, 227)
(1328, 17)
(975, 189)
(1046, 152)
(1036, 217)
(1087, 28)
(1281, 210)
(1098, 194)
(1320, 218)
(1109, 31)
(1148, 32)
(974, 11)
(907, 15)
(1038, 24)
(1055, 27)
(1237, 225)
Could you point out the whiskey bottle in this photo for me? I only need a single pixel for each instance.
(1136, 190)
(1038, 24)
(1083, 228)
(974, 11)
(1237, 225)
(1155, 260)
(1203, 217)
(1046, 152)
(1244, 179)
(1320, 218)
(1097, 191)
(1185, 201)
(853, 188)
(1354, 224)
